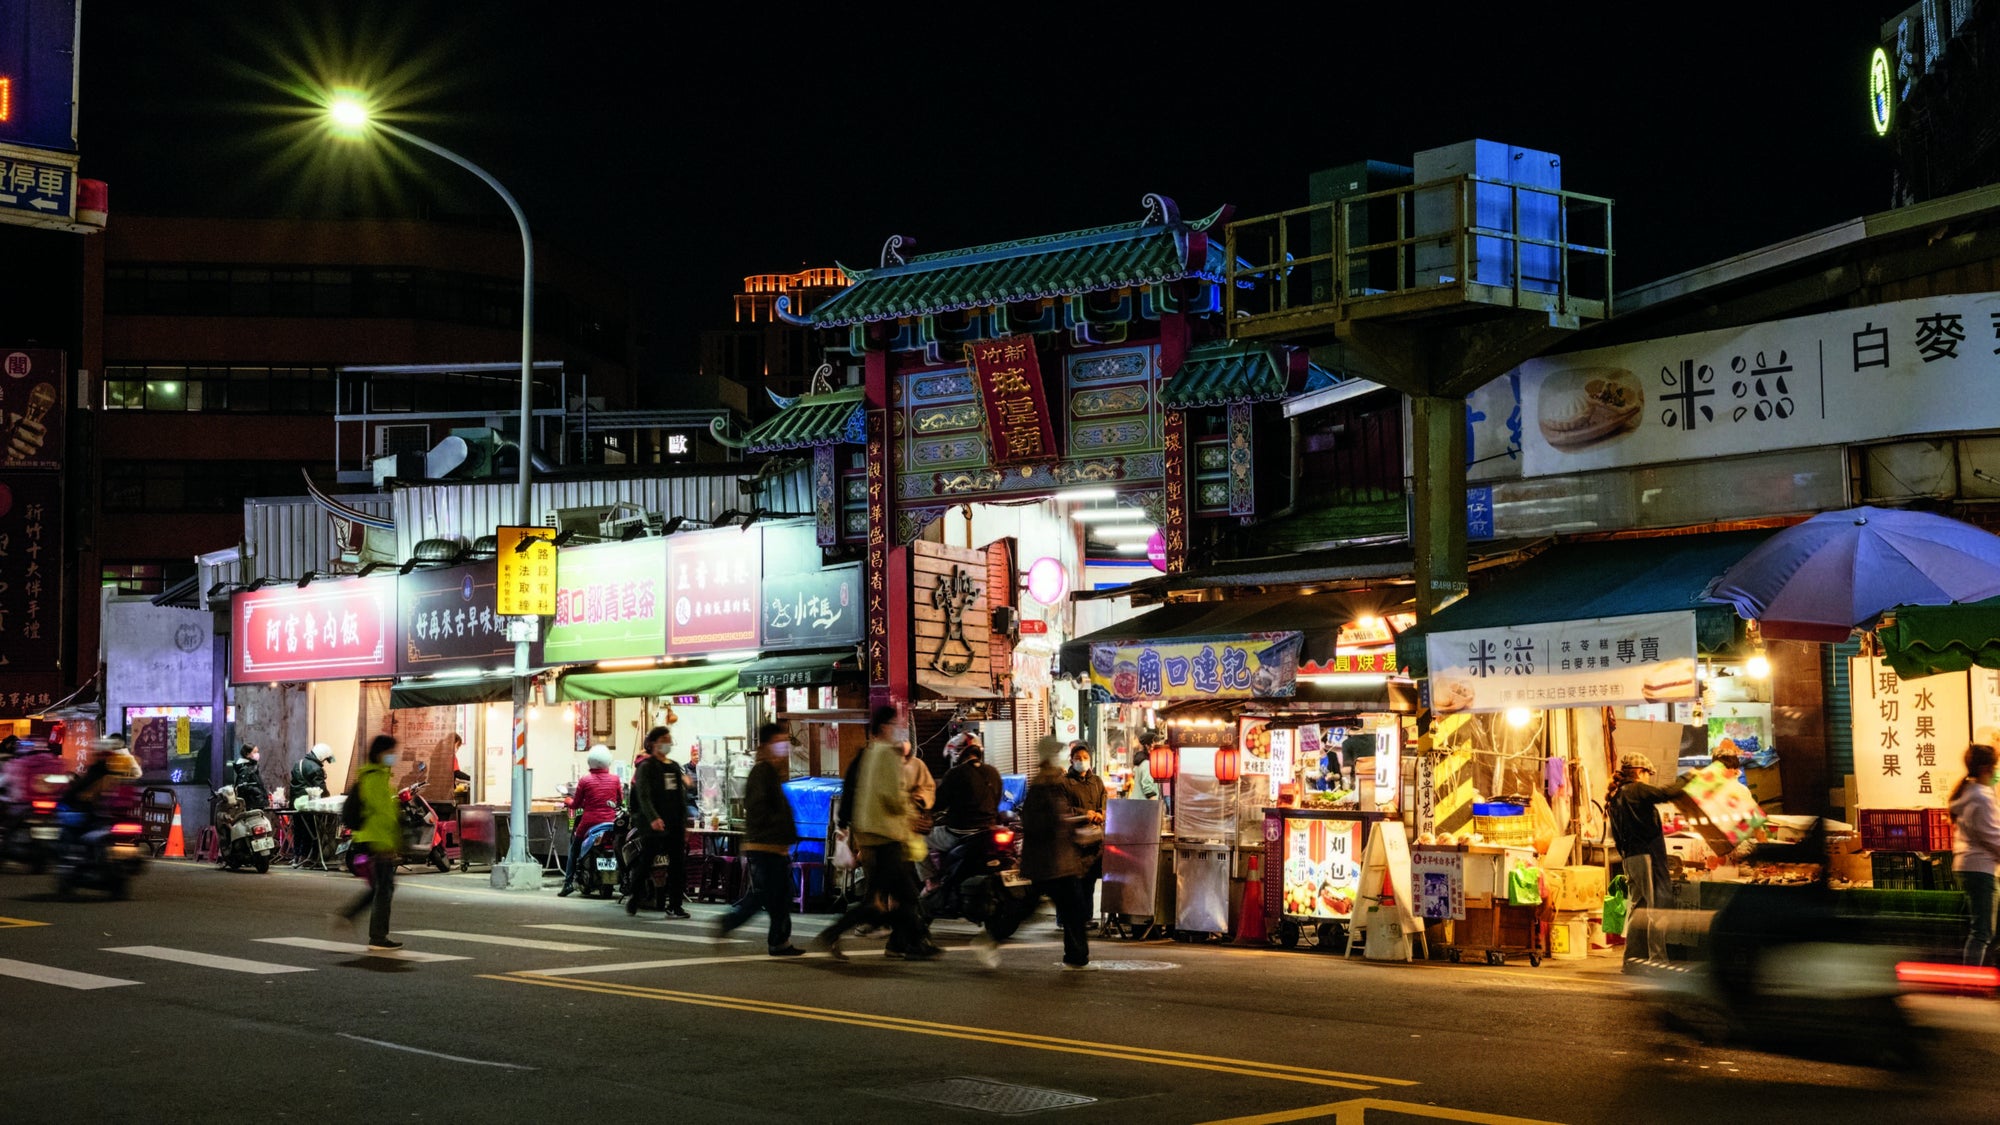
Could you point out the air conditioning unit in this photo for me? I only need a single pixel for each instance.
(405, 438)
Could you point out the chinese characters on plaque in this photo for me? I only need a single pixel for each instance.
(1604, 661)
(1174, 533)
(1909, 735)
(715, 577)
(1009, 376)
(878, 548)
(527, 560)
(330, 630)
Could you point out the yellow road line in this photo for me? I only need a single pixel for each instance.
(1245, 1067)
(1355, 1112)
(15, 923)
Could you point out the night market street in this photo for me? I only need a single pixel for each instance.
(540, 1009)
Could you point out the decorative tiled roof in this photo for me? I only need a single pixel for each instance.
(1226, 371)
(1160, 248)
(821, 419)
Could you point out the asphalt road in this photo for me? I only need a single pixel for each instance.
(213, 996)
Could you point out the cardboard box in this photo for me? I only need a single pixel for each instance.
(1766, 786)
(1854, 867)
(1577, 888)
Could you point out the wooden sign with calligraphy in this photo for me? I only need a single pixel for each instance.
(1009, 375)
(1175, 531)
(877, 599)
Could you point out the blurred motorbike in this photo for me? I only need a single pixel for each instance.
(1787, 968)
(973, 875)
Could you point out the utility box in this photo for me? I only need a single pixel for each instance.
(1493, 206)
(1369, 222)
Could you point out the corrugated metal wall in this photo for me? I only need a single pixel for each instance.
(1839, 710)
(468, 511)
(285, 537)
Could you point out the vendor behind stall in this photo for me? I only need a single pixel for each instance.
(1632, 804)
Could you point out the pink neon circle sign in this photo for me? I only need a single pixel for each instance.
(1047, 580)
(1156, 551)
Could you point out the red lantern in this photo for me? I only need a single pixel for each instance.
(1164, 761)
(1227, 764)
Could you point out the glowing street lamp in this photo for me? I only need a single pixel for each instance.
(348, 116)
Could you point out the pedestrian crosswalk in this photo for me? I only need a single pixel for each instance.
(552, 948)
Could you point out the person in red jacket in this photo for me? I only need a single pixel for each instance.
(596, 802)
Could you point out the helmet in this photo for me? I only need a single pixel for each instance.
(599, 757)
(1634, 763)
(321, 752)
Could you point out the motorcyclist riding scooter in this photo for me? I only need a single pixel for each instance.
(972, 846)
(101, 844)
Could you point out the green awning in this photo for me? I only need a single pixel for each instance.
(1227, 371)
(1923, 640)
(1614, 578)
(823, 419)
(450, 693)
(804, 669)
(1124, 256)
(689, 679)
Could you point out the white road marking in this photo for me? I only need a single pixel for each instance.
(353, 947)
(208, 960)
(501, 939)
(61, 978)
(655, 935)
(432, 1054)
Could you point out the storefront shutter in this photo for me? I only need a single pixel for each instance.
(1839, 719)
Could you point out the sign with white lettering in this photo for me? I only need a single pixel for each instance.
(330, 630)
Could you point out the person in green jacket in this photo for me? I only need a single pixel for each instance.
(380, 836)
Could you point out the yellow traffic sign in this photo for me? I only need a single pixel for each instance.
(527, 558)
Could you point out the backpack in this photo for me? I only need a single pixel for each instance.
(350, 809)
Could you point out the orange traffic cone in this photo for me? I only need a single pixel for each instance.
(1250, 930)
(176, 847)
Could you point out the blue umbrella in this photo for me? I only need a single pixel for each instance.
(1821, 579)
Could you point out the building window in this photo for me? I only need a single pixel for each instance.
(183, 388)
(132, 578)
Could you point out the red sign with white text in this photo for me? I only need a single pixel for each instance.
(342, 630)
(1009, 375)
(714, 587)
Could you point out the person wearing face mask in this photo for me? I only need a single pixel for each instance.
(381, 837)
(247, 774)
(769, 832)
(659, 803)
(1086, 791)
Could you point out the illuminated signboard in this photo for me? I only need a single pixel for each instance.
(38, 74)
(527, 578)
(1881, 92)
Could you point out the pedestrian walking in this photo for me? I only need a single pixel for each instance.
(659, 801)
(378, 835)
(1051, 860)
(1975, 845)
(595, 802)
(878, 811)
(769, 833)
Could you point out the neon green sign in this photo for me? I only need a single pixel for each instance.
(1881, 91)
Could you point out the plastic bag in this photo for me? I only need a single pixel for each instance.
(1524, 885)
(843, 851)
(1617, 908)
(1543, 823)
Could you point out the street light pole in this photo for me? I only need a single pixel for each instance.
(517, 872)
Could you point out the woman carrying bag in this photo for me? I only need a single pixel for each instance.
(1975, 845)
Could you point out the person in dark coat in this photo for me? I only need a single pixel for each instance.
(1051, 860)
(1633, 808)
(308, 775)
(1086, 790)
(769, 833)
(247, 774)
(659, 801)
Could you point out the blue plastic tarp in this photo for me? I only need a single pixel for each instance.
(1014, 789)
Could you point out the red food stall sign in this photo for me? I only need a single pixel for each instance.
(714, 584)
(1010, 385)
(333, 630)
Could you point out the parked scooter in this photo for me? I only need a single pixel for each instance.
(972, 878)
(598, 863)
(422, 834)
(248, 838)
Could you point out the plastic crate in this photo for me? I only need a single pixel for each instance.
(1498, 808)
(1912, 871)
(1505, 831)
(1905, 830)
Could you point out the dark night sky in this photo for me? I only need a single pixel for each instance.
(689, 146)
